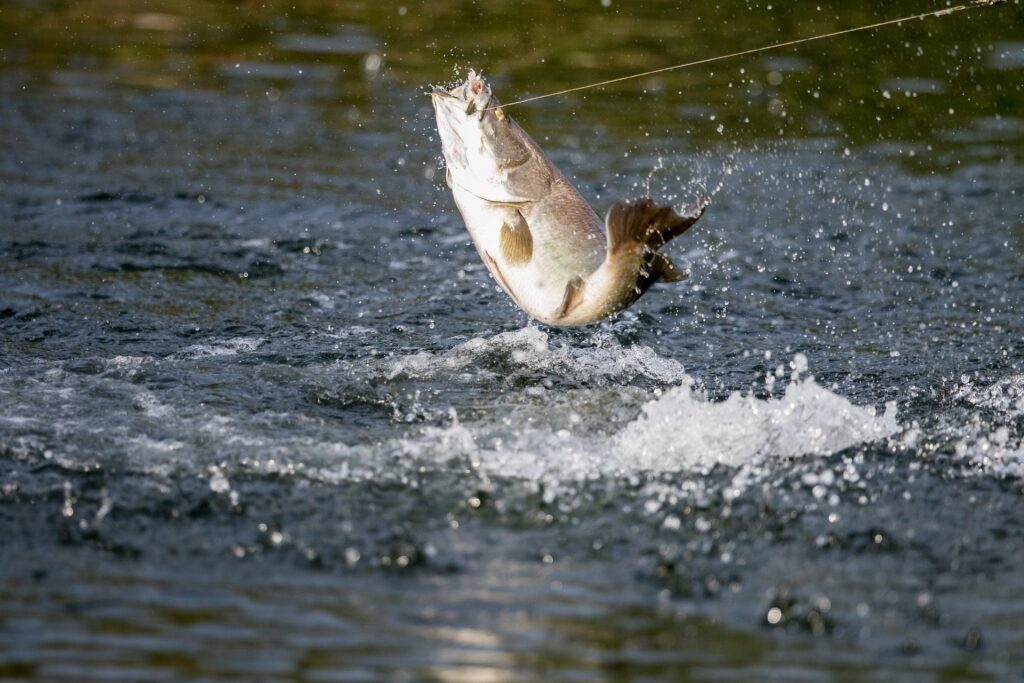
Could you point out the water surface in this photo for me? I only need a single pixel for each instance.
(264, 416)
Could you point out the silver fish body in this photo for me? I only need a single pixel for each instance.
(538, 237)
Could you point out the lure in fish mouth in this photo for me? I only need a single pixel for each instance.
(536, 234)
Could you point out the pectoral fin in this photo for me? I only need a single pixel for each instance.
(573, 297)
(516, 241)
(643, 223)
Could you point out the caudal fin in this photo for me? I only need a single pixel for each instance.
(642, 222)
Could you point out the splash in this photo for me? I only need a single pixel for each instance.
(630, 412)
(530, 349)
(990, 441)
(222, 347)
(1005, 397)
(677, 431)
(682, 429)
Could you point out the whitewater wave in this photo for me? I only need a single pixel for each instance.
(531, 349)
(680, 430)
(612, 423)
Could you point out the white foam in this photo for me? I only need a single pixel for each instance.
(680, 430)
(531, 348)
(125, 367)
(553, 438)
(151, 406)
(992, 443)
(1005, 396)
(221, 347)
(550, 437)
(683, 429)
(994, 454)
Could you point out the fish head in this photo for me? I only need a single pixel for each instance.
(483, 148)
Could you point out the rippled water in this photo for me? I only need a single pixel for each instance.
(264, 416)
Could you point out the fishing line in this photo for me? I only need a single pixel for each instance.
(775, 46)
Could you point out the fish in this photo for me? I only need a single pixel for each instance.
(539, 238)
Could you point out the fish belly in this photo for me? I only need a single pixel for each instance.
(536, 286)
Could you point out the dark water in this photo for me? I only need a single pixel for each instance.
(264, 416)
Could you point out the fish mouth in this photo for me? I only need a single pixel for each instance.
(437, 91)
(462, 119)
(471, 97)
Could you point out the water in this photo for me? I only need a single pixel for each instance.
(264, 416)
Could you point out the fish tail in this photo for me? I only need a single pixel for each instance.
(642, 222)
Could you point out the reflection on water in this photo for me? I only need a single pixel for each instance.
(263, 416)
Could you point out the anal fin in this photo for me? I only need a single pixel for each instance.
(664, 270)
(573, 296)
(492, 266)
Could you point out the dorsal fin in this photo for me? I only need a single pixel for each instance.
(516, 241)
(573, 296)
(642, 222)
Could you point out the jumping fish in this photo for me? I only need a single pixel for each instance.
(537, 236)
